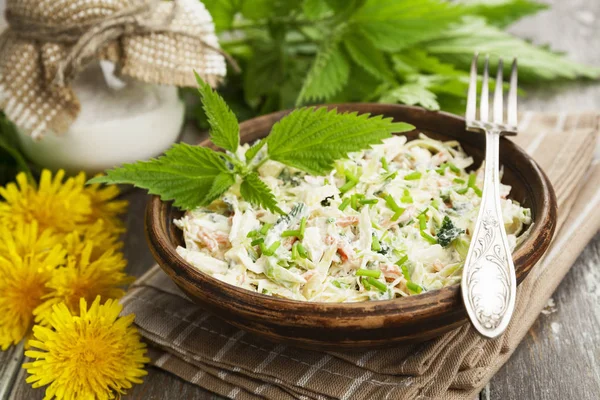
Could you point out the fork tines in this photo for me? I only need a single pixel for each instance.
(506, 126)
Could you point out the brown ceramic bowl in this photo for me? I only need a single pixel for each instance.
(368, 324)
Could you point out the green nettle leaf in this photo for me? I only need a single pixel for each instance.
(313, 139)
(458, 44)
(192, 176)
(366, 55)
(414, 93)
(394, 25)
(502, 13)
(315, 9)
(264, 9)
(252, 151)
(225, 130)
(328, 74)
(419, 60)
(222, 12)
(254, 190)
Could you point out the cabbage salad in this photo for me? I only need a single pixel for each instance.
(391, 221)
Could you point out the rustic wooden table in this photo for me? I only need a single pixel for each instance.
(559, 358)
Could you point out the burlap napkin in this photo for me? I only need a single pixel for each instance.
(203, 350)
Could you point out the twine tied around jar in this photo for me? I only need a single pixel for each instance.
(49, 42)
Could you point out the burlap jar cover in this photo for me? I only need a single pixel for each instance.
(49, 42)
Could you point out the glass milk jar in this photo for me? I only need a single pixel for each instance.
(119, 122)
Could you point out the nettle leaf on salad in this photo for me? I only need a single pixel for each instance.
(309, 139)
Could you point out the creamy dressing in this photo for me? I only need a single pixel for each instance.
(388, 222)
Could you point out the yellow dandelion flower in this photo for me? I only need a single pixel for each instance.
(84, 276)
(106, 207)
(91, 356)
(65, 205)
(27, 260)
(55, 204)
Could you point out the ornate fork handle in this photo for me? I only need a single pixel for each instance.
(489, 283)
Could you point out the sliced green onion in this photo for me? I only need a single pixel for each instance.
(290, 233)
(413, 176)
(379, 285)
(295, 254)
(271, 250)
(406, 198)
(428, 237)
(391, 176)
(436, 203)
(257, 241)
(463, 190)
(375, 245)
(472, 179)
(368, 201)
(405, 273)
(302, 227)
(453, 168)
(302, 251)
(351, 181)
(368, 272)
(458, 180)
(389, 200)
(472, 184)
(344, 204)
(253, 233)
(402, 260)
(366, 284)
(384, 164)
(422, 221)
(265, 228)
(414, 287)
(274, 247)
(336, 284)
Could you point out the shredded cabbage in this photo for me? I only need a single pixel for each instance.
(403, 210)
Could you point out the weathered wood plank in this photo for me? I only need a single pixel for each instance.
(10, 363)
(560, 356)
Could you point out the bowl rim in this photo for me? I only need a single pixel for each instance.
(436, 302)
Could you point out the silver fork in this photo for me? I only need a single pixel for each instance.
(488, 280)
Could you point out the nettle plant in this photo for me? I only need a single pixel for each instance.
(309, 139)
(298, 52)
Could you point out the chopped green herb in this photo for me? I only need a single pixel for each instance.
(458, 180)
(336, 284)
(253, 233)
(257, 241)
(448, 232)
(368, 272)
(389, 200)
(290, 233)
(295, 253)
